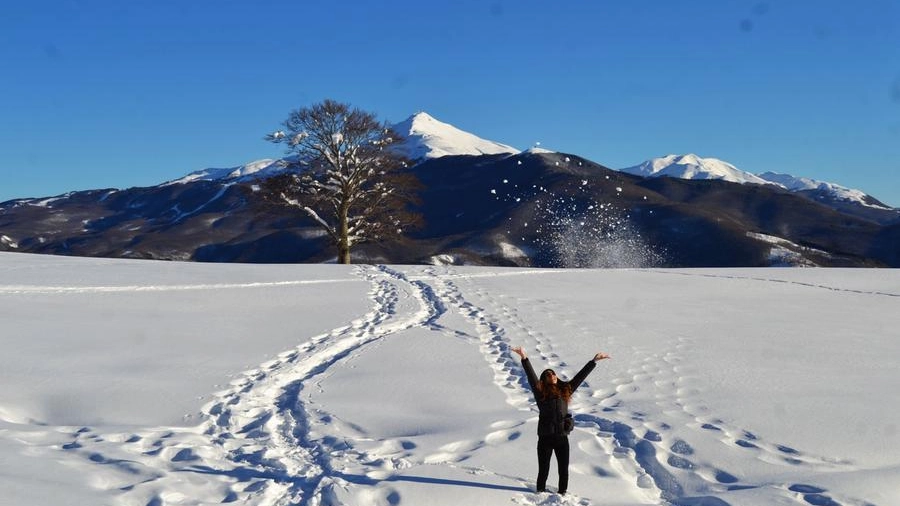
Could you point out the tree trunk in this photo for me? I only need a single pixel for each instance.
(343, 254)
(344, 240)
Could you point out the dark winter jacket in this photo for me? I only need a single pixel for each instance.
(552, 410)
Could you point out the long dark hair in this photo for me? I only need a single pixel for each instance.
(549, 390)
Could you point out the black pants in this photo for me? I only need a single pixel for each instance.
(545, 448)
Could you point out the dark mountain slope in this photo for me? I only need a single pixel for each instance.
(534, 209)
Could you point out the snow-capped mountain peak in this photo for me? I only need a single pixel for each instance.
(794, 183)
(423, 137)
(256, 169)
(691, 166)
(799, 184)
(426, 137)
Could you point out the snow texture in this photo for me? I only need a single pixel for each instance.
(251, 171)
(423, 137)
(785, 253)
(691, 166)
(8, 241)
(839, 192)
(153, 383)
(426, 137)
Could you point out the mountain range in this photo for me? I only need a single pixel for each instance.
(691, 166)
(528, 208)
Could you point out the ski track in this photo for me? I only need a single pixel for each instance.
(255, 444)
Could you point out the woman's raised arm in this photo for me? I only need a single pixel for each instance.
(519, 351)
(526, 364)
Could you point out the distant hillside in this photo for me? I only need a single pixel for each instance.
(485, 203)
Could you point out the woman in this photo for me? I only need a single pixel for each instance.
(552, 396)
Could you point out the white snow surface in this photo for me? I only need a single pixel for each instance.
(839, 192)
(426, 137)
(785, 253)
(250, 171)
(8, 241)
(162, 383)
(423, 137)
(691, 166)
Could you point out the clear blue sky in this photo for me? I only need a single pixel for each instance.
(97, 94)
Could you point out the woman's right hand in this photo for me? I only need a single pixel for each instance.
(520, 352)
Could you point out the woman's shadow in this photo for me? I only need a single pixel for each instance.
(365, 480)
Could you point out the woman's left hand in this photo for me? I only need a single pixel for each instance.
(600, 356)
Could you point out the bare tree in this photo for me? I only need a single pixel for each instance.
(345, 175)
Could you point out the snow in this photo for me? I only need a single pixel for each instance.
(794, 184)
(253, 170)
(785, 253)
(152, 383)
(426, 137)
(45, 202)
(8, 241)
(790, 182)
(511, 251)
(444, 259)
(691, 166)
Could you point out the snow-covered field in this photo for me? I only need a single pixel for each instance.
(149, 383)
